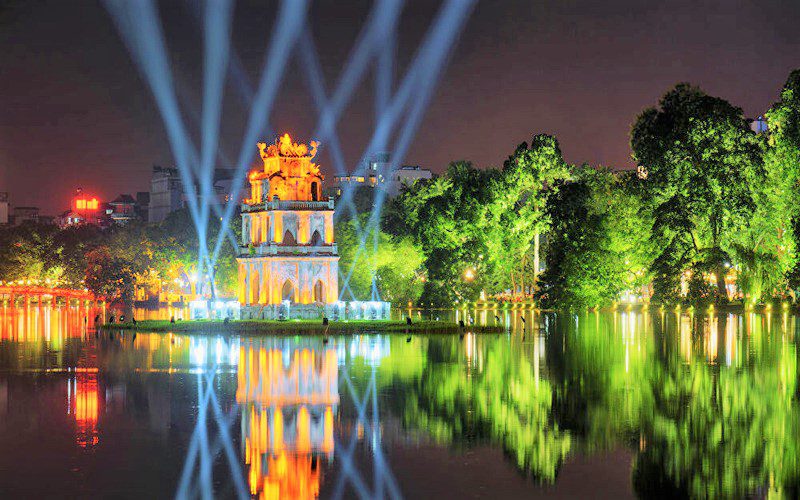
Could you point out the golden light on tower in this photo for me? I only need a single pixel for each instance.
(288, 264)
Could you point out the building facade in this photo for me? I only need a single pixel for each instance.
(122, 209)
(25, 215)
(167, 194)
(377, 172)
(4, 215)
(288, 264)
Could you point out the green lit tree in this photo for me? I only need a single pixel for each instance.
(446, 217)
(396, 264)
(702, 159)
(517, 216)
(599, 243)
(780, 215)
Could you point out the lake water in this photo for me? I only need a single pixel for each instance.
(601, 405)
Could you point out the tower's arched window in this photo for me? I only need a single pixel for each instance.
(288, 238)
(314, 191)
(319, 292)
(316, 239)
(287, 292)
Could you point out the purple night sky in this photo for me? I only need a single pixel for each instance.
(74, 111)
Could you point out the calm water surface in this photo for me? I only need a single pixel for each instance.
(601, 405)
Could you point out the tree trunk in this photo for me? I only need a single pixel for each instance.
(722, 290)
(535, 260)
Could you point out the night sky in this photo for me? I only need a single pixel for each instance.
(75, 112)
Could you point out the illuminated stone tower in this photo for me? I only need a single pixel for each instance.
(288, 265)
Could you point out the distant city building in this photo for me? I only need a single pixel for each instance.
(759, 125)
(4, 215)
(167, 195)
(378, 172)
(143, 205)
(122, 209)
(25, 215)
(406, 176)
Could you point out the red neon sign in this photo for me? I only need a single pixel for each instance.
(86, 204)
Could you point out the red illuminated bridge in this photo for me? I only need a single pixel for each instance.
(10, 294)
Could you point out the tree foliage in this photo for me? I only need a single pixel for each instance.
(480, 228)
(598, 247)
(781, 193)
(395, 263)
(445, 216)
(702, 160)
(111, 261)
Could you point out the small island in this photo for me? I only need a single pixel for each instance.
(302, 327)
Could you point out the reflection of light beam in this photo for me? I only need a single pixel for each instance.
(194, 443)
(383, 478)
(200, 445)
(227, 442)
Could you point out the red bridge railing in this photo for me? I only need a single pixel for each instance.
(41, 291)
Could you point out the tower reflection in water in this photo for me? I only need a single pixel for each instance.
(288, 400)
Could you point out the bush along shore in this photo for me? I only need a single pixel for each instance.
(300, 327)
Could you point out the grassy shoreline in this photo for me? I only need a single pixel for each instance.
(300, 327)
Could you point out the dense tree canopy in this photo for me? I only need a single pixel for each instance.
(782, 165)
(445, 216)
(110, 262)
(480, 228)
(392, 263)
(702, 160)
(599, 246)
(518, 216)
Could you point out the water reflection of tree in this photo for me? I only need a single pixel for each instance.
(719, 431)
(499, 399)
(596, 363)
